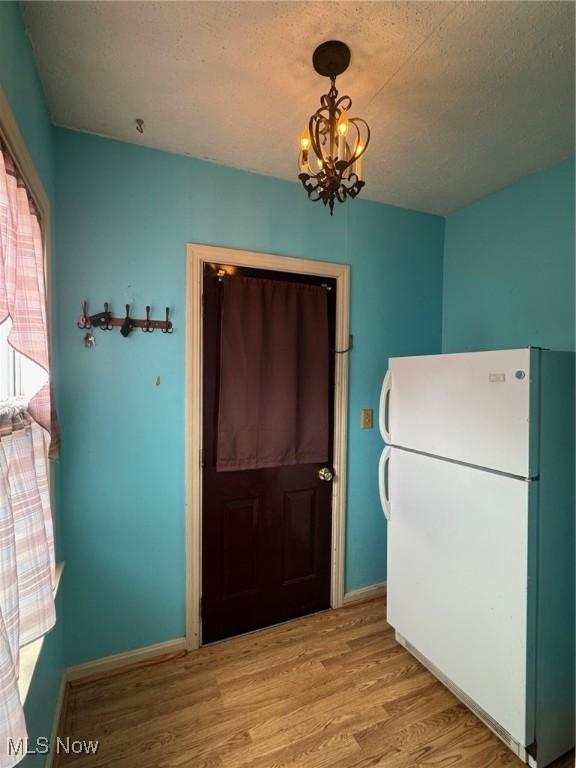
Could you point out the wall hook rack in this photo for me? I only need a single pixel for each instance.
(106, 320)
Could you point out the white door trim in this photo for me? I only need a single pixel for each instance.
(196, 257)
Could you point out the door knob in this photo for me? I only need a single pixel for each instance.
(325, 474)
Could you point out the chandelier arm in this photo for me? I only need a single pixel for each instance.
(310, 187)
(353, 179)
(355, 188)
(355, 121)
(341, 100)
(317, 143)
(315, 128)
(354, 156)
(347, 182)
(315, 194)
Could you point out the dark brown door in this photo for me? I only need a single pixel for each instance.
(266, 533)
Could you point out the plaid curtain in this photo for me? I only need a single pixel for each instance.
(22, 286)
(26, 559)
(26, 535)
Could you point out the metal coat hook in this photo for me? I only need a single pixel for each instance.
(84, 320)
(168, 328)
(105, 323)
(146, 328)
(127, 325)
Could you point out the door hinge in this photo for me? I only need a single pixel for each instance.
(202, 455)
(201, 609)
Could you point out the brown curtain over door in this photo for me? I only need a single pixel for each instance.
(274, 374)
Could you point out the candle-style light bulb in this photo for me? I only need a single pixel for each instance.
(305, 142)
(358, 163)
(343, 124)
(342, 128)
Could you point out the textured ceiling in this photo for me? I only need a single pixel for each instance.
(462, 98)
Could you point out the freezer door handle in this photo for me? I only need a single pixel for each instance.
(383, 481)
(385, 407)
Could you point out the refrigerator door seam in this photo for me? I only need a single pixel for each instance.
(467, 464)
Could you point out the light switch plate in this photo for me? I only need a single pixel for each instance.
(366, 418)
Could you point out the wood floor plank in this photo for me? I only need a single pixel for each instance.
(423, 730)
(390, 730)
(454, 745)
(333, 690)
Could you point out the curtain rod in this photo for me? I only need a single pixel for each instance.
(222, 274)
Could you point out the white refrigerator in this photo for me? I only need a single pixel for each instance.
(477, 485)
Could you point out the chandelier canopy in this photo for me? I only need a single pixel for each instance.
(333, 146)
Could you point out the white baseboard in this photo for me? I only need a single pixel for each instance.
(101, 667)
(118, 660)
(366, 593)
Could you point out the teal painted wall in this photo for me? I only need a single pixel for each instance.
(22, 88)
(509, 267)
(124, 215)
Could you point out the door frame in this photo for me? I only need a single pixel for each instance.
(196, 256)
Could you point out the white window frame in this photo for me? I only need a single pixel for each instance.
(19, 377)
(10, 374)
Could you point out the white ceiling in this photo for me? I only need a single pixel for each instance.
(462, 98)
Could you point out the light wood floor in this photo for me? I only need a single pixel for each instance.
(333, 690)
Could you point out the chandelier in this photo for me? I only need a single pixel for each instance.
(333, 145)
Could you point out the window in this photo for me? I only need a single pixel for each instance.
(19, 376)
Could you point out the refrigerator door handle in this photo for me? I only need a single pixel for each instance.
(383, 481)
(385, 407)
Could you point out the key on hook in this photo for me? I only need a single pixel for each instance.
(89, 340)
